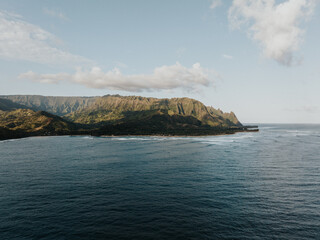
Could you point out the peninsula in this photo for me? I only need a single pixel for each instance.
(111, 115)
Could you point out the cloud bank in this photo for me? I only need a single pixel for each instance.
(274, 26)
(20, 40)
(165, 77)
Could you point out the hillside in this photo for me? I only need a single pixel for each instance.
(28, 122)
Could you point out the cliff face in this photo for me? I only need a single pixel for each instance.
(228, 116)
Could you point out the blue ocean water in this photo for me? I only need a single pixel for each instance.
(262, 185)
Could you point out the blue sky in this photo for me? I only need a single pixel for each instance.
(258, 58)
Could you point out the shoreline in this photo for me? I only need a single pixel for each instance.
(133, 135)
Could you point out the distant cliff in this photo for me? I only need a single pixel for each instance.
(28, 115)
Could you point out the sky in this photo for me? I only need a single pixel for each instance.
(257, 58)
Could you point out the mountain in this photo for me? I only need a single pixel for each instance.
(112, 108)
(31, 115)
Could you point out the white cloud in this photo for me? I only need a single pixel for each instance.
(55, 14)
(20, 40)
(165, 77)
(227, 56)
(215, 4)
(274, 26)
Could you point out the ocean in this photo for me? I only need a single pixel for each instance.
(263, 185)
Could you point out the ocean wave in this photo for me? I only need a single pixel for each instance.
(87, 137)
(151, 138)
(299, 133)
(195, 139)
(221, 142)
(130, 139)
(9, 140)
(267, 127)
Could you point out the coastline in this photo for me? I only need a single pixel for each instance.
(229, 132)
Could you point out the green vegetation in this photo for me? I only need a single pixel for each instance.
(23, 115)
(27, 122)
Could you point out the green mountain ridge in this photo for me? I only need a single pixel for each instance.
(93, 110)
(33, 115)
